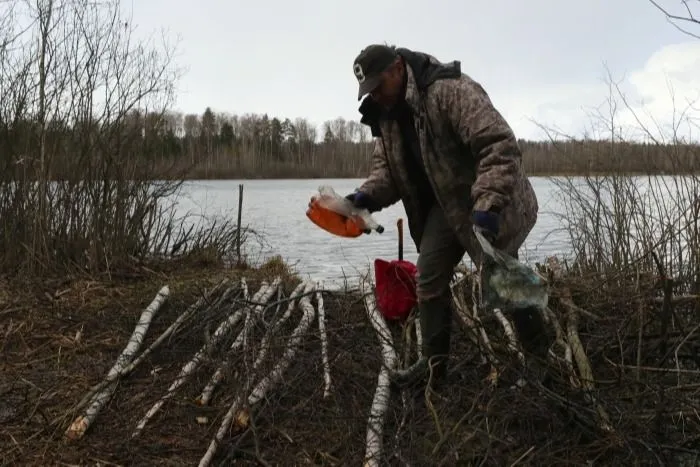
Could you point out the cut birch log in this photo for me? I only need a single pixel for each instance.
(380, 402)
(585, 371)
(419, 334)
(192, 365)
(242, 416)
(324, 343)
(561, 343)
(513, 343)
(261, 298)
(168, 332)
(555, 271)
(473, 322)
(476, 319)
(81, 424)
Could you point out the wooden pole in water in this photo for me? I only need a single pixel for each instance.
(238, 233)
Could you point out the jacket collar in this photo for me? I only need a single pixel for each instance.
(413, 97)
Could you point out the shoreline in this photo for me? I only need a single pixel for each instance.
(202, 175)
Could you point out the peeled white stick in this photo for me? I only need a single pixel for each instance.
(324, 344)
(512, 341)
(81, 424)
(476, 300)
(260, 298)
(380, 403)
(486, 342)
(244, 286)
(190, 366)
(251, 315)
(171, 329)
(275, 375)
(265, 344)
(419, 335)
(266, 383)
(510, 334)
(560, 342)
(261, 295)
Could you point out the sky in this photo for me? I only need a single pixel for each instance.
(544, 63)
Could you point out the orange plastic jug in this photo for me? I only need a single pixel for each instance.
(334, 223)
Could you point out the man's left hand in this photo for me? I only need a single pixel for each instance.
(487, 222)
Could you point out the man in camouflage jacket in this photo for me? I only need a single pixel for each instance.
(444, 150)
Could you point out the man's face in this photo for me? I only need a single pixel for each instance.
(389, 90)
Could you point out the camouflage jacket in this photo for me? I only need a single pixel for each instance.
(469, 151)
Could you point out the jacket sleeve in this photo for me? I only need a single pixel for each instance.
(491, 140)
(380, 185)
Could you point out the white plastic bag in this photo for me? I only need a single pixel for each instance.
(507, 283)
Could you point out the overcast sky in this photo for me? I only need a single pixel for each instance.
(541, 60)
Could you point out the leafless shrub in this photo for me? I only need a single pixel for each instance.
(687, 17)
(83, 100)
(616, 220)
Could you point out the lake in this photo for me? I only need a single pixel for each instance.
(276, 210)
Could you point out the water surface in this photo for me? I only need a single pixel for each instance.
(276, 209)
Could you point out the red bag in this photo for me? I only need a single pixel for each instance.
(395, 284)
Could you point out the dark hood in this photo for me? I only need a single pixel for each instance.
(425, 73)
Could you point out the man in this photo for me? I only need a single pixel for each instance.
(444, 150)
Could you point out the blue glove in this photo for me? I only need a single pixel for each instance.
(487, 222)
(363, 201)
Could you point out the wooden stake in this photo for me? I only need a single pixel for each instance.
(240, 215)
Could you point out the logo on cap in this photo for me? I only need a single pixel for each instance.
(359, 73)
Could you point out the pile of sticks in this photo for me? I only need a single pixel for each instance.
(566, 351)
(239, 312)
(253, 310)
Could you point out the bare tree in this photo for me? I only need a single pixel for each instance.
(79, 118)
(683, 19)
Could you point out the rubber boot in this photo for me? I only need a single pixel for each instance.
(436, 330)
(535, 340)
(436, 325)
(530, 330)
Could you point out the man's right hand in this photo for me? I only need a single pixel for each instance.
(362, 201)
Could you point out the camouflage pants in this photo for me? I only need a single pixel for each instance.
(441, 251)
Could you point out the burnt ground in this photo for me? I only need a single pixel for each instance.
(59, 338)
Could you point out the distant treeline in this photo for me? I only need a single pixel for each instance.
(226, 146)
(82, 98)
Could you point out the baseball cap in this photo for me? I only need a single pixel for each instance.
(369, 64)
